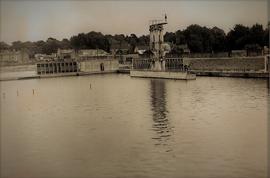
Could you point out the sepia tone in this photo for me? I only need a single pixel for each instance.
(125, 89)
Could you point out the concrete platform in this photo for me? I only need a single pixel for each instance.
(241, 74)
(176, 75)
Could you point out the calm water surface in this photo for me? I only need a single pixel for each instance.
(109, 126)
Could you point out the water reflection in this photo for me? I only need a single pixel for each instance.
(158, 106)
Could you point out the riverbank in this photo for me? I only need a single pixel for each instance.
(35, 76)
(249, 74)
(252, 67)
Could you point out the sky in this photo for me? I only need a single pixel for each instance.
(29, 20)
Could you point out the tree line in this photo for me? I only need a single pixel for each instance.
(198, 39)
(206, 40)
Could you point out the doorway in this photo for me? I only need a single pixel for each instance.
(101, 67)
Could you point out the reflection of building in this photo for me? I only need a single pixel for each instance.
(158, 104)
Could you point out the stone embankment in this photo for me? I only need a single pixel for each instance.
(257, 67)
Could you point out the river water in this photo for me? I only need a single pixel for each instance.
(114, 126)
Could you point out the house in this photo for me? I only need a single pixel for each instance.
(66, 54)
(92, 52)
(45, 57)
(184, 48)
(127, 58)
(118, 48)
(147, 54)
(12, 56)
(140, 49)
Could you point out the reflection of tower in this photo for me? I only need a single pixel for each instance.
(158, 102)
(156, 43)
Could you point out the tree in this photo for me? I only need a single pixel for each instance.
(219, 40)
(170, 37)
(194, 38)
(266, 37)
(51, 46)
(65, 44)
(238, 37)
(17, 45)
(256, 35)
(180, 37)
(143, 40)
(133, 41)
(91, 40)
(4, 46)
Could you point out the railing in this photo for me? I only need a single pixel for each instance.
(171, 64)
(141, 63)
(107, 57)
(156, 22)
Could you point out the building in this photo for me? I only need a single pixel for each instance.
(156, 43)
(45, 57)
(66, 54)
(46, 68)
(14, 57)
(119, 48)
(156, 65)
(92, 53)
(99, 65)
(127, 59)
(141, 49)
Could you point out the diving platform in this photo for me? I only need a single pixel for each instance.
(156, 65)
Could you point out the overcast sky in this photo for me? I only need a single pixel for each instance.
(38, 20)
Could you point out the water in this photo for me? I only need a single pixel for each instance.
(109, 126)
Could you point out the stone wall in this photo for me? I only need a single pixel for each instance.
(99, 65)
(226, 64)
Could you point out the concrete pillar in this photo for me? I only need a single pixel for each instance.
(266, 63)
